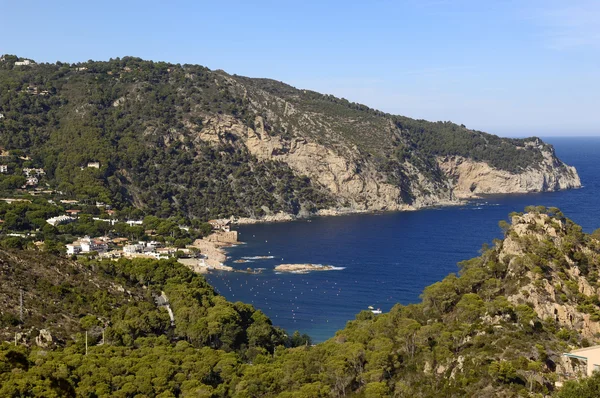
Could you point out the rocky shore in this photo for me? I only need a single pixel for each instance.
(303, 268)
(213, 255)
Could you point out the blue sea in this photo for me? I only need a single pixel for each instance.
(386, 258)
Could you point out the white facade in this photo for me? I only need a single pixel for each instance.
(591, 355)
(95, 165)
(73, 249)
(131, 249)
(92, 245)
(34, 172)
(23, 63)
(32, 181)
(3, 168)
(60, 220)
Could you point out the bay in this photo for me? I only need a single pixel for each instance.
(387, 258)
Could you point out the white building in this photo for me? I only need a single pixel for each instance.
(131, 223)
(34, 172)
(73, 248)
(3, 168)
(135, 248)
(591, 355)
(87, 245)
(60, 220)
(24, 63)
(31, 181)
(95, 165)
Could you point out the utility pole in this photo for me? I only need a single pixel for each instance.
(86, 345)
(21, 304)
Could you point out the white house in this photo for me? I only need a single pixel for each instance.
(33, 172)
(73, 248)
(24, 63)
(95, 165)
(131, 223)
(132, 249)
(31, 181)
(3, 168)
(591, 355)
(87, 245)
(60, 220)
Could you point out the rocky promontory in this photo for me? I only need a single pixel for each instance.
(471, 179)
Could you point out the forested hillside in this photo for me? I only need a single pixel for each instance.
(182, 140)
(497, 328)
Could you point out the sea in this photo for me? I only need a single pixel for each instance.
(385, 258)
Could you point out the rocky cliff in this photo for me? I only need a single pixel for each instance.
(359, 185)
(559, 267)
(471, 179)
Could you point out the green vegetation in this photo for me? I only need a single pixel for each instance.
(479, 333)
(147, 147)
(449, 139)
(585, 388)
(143, 122)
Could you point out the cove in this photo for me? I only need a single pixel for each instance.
(388, 258)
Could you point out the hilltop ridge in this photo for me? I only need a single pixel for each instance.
(185, 140)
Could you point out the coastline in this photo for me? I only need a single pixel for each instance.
(343, 211)
(213, 254)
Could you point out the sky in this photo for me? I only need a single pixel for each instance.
(512, 68)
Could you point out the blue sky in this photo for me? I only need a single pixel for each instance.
(507, 67)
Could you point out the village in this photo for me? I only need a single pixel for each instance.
(93, 229)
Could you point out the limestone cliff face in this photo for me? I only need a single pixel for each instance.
(370, 161)
(356, 184)
(472, 179)
(555, 293)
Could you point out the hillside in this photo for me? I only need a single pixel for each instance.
(121, 301)
(497, 329)
(182, 140)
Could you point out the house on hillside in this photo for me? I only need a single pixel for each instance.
(25, 62)
(54, 221)
(95, 165)
(87, 245)
(33, 172)
(590, 355)
(31, 182)
(3, 168)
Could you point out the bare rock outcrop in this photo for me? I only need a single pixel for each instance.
(43, 339)
(358, 184)
(472, 179)
(551, 293)
(361, 189)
